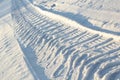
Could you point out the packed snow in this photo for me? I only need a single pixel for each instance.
(59, 40)
(103, 14)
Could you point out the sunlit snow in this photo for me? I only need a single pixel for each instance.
(59, 40)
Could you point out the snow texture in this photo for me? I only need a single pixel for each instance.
(59, 40)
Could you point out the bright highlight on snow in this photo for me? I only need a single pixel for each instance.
(59, 40)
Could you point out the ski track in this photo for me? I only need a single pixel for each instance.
(65, 51)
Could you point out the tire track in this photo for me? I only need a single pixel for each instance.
(64, 48)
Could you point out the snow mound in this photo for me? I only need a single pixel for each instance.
(66, 51)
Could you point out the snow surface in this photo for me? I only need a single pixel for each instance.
(59, 40)
(101, 14)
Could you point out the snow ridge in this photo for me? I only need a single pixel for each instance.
(66, 52)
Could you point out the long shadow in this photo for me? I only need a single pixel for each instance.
(76, 17)
(31, 61)
(80, 19)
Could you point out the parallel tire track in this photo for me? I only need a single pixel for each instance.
(64, 49)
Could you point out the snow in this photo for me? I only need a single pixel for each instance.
(106, 14)
(12, 61)
(59, 40)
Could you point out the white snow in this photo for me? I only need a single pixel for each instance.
(12, 64)
(59, 40)
(103, 11)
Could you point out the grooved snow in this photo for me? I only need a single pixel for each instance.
(40, 40)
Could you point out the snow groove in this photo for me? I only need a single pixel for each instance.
(12, 65)
(64, 50)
